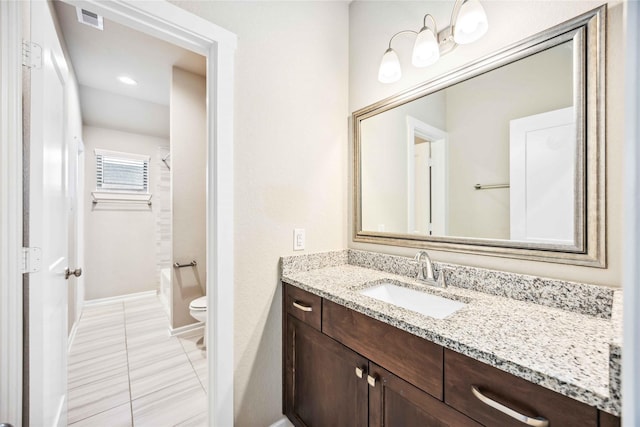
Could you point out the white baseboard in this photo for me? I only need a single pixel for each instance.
(282, 422)
(109, 300)
(184, 329)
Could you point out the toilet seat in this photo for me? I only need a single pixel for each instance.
(198, 304)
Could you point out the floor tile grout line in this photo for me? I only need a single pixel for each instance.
(131, 319)
(93, 415)
(191, 363)
(97, 413)
(126, 346)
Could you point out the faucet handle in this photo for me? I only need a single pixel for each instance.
(442, 281)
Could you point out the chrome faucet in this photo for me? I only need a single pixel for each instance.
(425, 270)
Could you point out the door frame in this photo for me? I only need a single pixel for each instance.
(11, 213)
(416, 127)
(178, 26)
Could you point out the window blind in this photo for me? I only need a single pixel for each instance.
(122, 172)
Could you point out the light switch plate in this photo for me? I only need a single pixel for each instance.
(298, 239)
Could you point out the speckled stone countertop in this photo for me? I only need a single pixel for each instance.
(569, 347)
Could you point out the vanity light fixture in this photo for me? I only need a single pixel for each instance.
(468, 23)
(127, 80)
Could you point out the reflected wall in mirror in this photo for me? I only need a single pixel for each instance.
(421, 161)
(494, 158)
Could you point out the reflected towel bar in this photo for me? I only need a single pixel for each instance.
(490, 186)
(191, 264)
(126, 198)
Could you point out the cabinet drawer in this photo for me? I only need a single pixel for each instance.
(531, 400)
(303, 305)
(414, 359)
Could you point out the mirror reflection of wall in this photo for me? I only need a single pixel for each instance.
(428, 188)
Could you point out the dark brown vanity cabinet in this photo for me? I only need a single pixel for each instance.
(321, 386)
(393, 402)
(343, 368)
(327, 383)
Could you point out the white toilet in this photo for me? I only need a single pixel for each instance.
(198, 310)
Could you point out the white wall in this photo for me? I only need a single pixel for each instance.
(188, 190)
(120, 253)
(371, 25)
(114, 111)
(290, 168)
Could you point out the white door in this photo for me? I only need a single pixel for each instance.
(422, 188)
(542, 177)
(48, 227)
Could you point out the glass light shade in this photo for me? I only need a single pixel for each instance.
(390, 70)
(471, 23)
(425, 50)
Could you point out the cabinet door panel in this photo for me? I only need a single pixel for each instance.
(322, 388)
(608, 420)
(394, 402)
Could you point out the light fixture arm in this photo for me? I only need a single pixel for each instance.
(454, 13)
(430, 44)
(401, 32)
(433, 20)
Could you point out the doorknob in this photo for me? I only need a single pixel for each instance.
(68, 273)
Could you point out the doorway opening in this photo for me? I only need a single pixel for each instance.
(172, 24)
(143, 157)
(427, 179)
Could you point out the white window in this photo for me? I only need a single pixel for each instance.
(122, 172)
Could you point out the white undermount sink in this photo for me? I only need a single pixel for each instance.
(411, 299)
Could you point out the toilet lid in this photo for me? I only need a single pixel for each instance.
(199, 304)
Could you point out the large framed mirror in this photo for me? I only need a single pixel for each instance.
(503, 157)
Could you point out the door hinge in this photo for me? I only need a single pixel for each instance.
(31, 260)
(31, 55)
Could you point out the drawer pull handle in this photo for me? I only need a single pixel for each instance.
(359, 372)
(302, 307)
(535, 422)
(371, 380)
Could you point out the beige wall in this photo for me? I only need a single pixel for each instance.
(188, 129)
(290, 168)
(384, 161)
(371, 25)
(120, 253)
(478, 115)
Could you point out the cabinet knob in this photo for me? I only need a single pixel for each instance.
(371, 380)
(359, 372)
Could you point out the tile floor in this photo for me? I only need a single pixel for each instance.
(125, 369)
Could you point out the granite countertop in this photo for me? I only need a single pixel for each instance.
(565, 351)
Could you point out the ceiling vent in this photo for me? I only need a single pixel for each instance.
(89, 18)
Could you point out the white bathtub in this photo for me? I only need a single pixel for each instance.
(165, 289)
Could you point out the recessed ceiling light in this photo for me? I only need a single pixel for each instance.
(127, 80)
